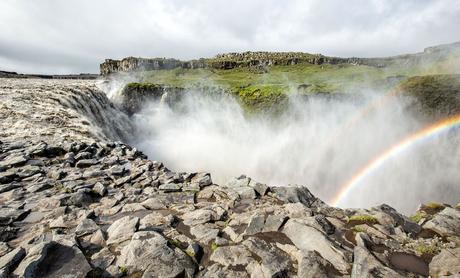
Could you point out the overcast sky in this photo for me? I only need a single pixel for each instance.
(53, 36)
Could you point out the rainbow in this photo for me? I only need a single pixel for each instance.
(395, 150)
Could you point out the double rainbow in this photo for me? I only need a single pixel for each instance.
(395, 150)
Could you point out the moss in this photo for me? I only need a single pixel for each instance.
(138, 86)
(123, 270)
(358, 229)
(214, 246)
(176, 243)
(363, 219)
(434, 206)
(263, 97)
(419, 215)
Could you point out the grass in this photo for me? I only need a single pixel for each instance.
(426, 249)
(363, 219)
(437, 94)
(431, 82)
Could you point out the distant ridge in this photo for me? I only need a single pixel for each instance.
(266, 59)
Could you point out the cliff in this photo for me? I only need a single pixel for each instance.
(265, 59)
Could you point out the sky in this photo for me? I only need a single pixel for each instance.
(73, 36)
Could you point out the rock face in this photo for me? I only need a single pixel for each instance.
(82, 205)
(264, 59)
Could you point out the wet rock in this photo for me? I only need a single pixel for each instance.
(148, 251)
(445, 223)
(122, 229)
(310, 239)
(9, 261)
(52, 259)
(446, 263)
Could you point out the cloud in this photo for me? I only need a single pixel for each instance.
(75, 36)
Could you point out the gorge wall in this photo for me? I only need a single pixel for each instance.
(264, 59)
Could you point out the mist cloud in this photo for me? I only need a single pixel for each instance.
(75, 36)
(319, 142)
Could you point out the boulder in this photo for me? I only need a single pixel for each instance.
(307, 238)
(446, 263)
(201, 216)
(14, 160)
(86, 226)
(366, 265)
(9, 261)
(311, 264)
(234, 255)
(53, 259)
(102, 259)
(122, 229)
(256, 224)
(274, 262)
(100, 189)
(296, 194)
(84, 163)
(445, 223)
(204, 233)
(148, 251)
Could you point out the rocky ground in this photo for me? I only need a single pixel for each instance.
(74, 203)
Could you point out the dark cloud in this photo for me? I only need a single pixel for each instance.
(75, 36)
